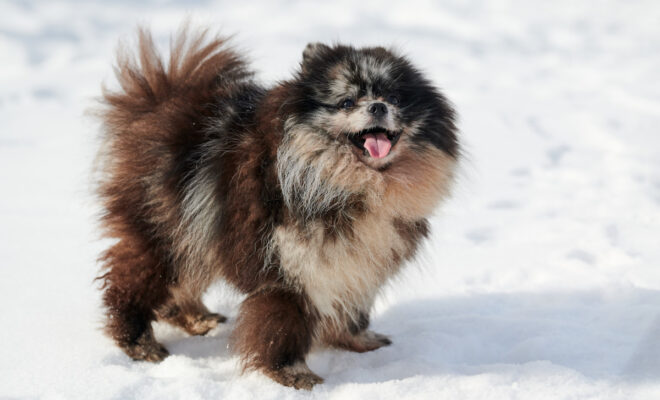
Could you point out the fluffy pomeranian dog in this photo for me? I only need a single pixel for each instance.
(306, 196)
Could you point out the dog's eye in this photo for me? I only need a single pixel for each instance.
(348, 103)
(393, 99)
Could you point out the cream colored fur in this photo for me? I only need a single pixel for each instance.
(343, 275)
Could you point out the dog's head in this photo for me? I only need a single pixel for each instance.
(374, 100)
(359, 116)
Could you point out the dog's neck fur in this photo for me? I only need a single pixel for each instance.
(349, 227)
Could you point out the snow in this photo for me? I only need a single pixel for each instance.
(542, 277)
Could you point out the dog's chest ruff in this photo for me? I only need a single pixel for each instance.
(342, 273)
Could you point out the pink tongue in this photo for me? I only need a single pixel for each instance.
(377, 145)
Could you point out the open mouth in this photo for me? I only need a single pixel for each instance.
(376, 142)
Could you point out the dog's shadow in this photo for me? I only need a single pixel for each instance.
(612, 336)
(603, 336)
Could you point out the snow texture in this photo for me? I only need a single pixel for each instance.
(542, 277)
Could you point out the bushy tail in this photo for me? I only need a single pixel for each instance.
(196, 69)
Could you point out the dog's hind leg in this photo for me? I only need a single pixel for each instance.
(135, 284)
(186, 310)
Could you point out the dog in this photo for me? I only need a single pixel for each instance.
(307, 196)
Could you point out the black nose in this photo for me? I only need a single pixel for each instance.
(377, 109)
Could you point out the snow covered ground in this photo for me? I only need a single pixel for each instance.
(542, 278)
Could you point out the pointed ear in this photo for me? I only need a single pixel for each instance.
(312, 51)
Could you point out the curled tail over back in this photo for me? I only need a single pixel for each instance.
(155, 123)
(196, 69)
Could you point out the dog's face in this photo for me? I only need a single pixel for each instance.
(374, 102)
(364, 122)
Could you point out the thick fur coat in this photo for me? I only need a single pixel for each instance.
(306, 196)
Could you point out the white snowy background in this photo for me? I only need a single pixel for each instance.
(541, 279)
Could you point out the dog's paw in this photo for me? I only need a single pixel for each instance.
(363, 341)
(203, 324)
(297, 376)
(146, 348)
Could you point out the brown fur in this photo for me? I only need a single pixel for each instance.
(186, 310)
(206, 175)
(281, 339)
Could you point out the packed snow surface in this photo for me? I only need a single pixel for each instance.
(542, 276)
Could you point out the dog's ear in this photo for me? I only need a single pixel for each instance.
(312, 51)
